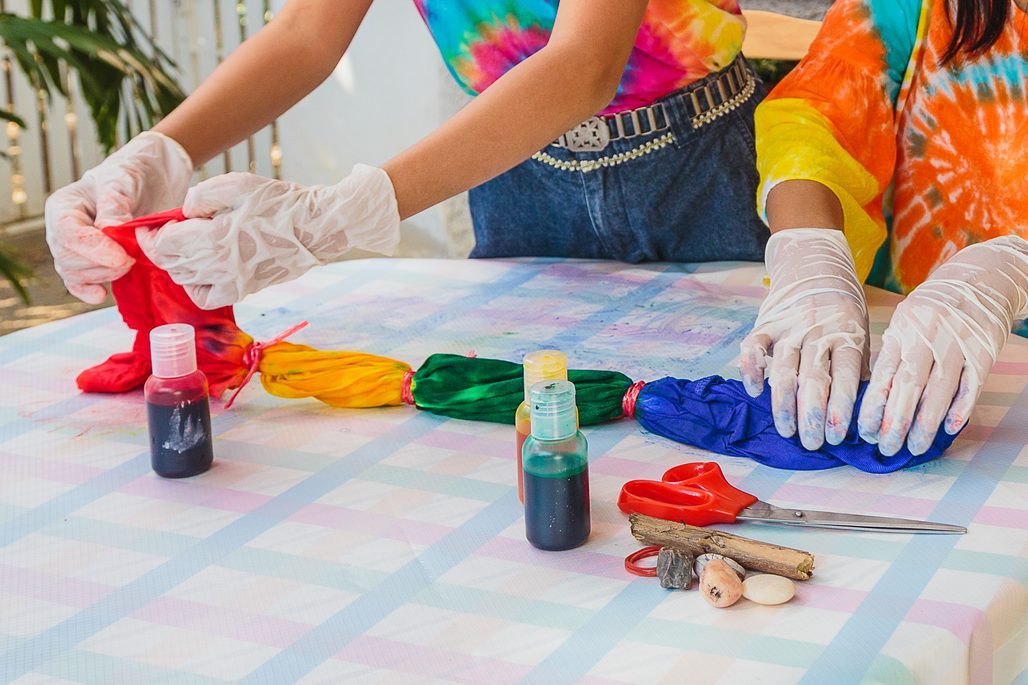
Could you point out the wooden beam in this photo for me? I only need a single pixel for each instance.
(770, 35)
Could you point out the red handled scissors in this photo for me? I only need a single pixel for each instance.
(699, 495)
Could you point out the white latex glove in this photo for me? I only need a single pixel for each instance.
(149, 174)
(941, 344)
(812, 332)
(261, 232)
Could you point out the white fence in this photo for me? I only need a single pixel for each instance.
(388, 91)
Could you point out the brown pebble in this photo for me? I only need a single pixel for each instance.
(720, 584)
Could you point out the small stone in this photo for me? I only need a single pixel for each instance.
(674, 569)
(720, 584)
(702, 560)
(768, 589)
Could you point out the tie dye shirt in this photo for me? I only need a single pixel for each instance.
(871, 109)
(679, 42)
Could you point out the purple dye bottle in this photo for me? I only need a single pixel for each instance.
(177, 406)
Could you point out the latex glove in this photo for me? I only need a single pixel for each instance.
(261, 232)
(941, 344)
(811, 331)
(149, 174)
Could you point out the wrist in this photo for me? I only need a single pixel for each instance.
(172, 148)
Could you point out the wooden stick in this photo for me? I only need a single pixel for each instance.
(751, 554)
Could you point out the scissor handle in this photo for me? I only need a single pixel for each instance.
(708, 476)
(698, 494)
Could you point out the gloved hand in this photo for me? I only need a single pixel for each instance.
(941, 344)
(148, 174)
(261, 232)
(812, 332)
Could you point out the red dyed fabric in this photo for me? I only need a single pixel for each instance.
(147, 297)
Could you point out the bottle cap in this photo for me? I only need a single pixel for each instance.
(553, 411)
(173, 350)
(544, 365)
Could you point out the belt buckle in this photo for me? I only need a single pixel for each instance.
(592, 135)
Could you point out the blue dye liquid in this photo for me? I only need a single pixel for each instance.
(556, 500)
(180, 438)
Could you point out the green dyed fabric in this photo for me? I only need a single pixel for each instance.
(491, 390)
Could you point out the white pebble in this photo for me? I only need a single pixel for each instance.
(767, 589)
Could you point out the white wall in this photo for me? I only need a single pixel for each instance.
(390, 90)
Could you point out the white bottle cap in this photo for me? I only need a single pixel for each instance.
(173, 350)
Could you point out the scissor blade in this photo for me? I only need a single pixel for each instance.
(769, 513)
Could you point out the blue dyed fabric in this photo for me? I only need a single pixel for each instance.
(718, 415)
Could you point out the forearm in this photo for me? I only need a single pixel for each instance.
(803, 204)
(264, 76)
(523, 112)
(572, 78)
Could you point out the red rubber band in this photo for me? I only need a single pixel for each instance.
(252, 358)
(630, 398)
(645, 571)
(407, 390)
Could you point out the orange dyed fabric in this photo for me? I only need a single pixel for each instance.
(871, 107)
(147, 297)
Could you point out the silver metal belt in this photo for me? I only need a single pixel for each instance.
(703, 103)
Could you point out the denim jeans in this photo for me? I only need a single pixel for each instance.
(692, 200)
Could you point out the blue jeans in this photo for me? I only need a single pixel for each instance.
(692, 200)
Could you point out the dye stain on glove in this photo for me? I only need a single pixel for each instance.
(177, 405)
(556, 471)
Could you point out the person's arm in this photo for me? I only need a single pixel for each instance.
(572, 78)
(826, 152)
(831, 123)
(249, 233)
(803, 204)
(265, 76)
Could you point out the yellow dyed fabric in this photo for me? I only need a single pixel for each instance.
(797, 142)
(341, 379)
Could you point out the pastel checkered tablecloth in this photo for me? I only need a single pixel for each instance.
(387, 546)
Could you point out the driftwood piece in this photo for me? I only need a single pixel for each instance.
(752, 554)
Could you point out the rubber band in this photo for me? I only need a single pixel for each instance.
(252, 358)
(645, 571)
(631, 397)
(407, 389)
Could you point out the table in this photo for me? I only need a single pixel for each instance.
(387, 546)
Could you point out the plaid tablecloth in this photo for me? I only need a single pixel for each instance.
(387, 546)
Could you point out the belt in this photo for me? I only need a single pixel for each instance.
(704, 102)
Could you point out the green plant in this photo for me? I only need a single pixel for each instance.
(123, 76)
(771, 71)
(125, 79)
(15, 272)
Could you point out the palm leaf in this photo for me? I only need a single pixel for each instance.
(15, 272)
(11, 116)
(125, 78)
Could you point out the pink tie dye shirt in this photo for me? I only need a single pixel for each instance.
(679, 42)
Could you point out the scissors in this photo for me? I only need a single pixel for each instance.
(698, 494)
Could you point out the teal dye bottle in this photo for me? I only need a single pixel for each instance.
(555, 459)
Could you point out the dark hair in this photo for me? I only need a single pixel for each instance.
(978, 25)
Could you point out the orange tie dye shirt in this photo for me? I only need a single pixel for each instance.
(871, 108)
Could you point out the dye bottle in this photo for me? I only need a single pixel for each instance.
(556, 470)
(177, 407)
(542, 365)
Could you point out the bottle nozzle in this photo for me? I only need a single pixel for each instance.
(173, 350)
(544, 365)
(553, 411)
